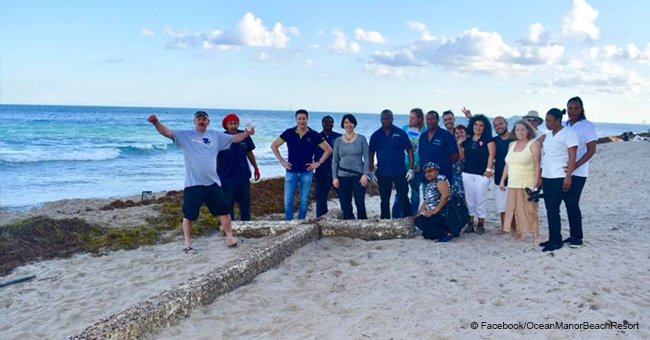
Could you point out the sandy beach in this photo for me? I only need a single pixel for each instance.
(348, 288)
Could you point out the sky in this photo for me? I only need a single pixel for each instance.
(494, 57)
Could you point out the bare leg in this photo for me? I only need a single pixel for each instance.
(187, 232)
(227, 227)
(480, 226)
(503, 217)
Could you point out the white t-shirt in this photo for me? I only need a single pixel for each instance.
(555, 154)
(586, 134)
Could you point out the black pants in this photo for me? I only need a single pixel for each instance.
(322, 190)
(432, 227)
(385, 188)
(239, 191)
(553, 197)
(350, 187)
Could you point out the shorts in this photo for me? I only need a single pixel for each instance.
(213, 197)
(501, 198)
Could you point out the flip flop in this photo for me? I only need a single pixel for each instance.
(236, 244)
(189, 250)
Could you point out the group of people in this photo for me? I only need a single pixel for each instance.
(435, 164)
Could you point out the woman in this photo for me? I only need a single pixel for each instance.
(587, 139)
(431, 218)
(558, 164)
(522, 171)
(460, 133)
(478, 152)
(350, 168)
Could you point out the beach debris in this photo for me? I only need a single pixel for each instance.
(18, 280)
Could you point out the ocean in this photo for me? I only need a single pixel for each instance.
(49, 153)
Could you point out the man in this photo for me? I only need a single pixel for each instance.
(449, 120)
(302, 143)
(502, 141)
(233, 169)
(202, 184)
(438, 146)
(413, 130)
(535, 120)
(324, 172)
(389, 143)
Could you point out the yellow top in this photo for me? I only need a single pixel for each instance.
(521, 167)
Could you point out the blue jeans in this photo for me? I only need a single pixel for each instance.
(291, 180)
(415, 184)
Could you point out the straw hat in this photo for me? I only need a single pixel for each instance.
(532, 114)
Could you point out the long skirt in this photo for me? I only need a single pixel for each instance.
(521, 213)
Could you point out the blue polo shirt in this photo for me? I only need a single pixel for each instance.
(438, 150)
(390, 151)
(500, 158)
(233, 162)
(325, 169)
(301, 149)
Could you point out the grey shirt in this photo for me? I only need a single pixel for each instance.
(200, 151)
(353, 156)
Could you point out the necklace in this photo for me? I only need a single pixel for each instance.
(349, 138)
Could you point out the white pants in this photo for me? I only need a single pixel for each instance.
(476, 194)
(501, 198)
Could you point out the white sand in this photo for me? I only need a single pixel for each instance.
(340, 288)
(71, 294)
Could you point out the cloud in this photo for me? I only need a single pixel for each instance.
(629, 52)
(148, 33)
(418, 26)
(263, 56)
(385, 71)
(341, 44)
(314, 46)
(580, 22)
(599, 78)
(249, 32)
(472, 51)
(537, 35)
(370, 36)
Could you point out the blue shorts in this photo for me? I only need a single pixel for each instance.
(213, 197)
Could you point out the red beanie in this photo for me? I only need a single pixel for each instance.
(229, 118)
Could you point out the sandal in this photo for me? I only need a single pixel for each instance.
(480, 229)
(470, 228)
(189, 250)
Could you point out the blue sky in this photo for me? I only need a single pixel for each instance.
(495, 57)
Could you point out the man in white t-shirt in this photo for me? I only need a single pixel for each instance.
(202, 184)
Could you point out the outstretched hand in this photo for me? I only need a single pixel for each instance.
(153, 119)
(467, 113)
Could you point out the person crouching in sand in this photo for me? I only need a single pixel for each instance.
(202, 184)
(432, 216)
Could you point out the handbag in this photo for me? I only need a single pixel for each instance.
(457, 214)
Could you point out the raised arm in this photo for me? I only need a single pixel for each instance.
(163, 130)
(243, 135)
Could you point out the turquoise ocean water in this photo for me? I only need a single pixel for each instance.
(49, 153)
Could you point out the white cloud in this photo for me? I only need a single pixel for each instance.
(600, 78)
(629, 52)
(370, 36)
(263, 56)
(537, 35)
(418, 26)
(250, 31)
(580, 22)
(309, 62)
(385, 71)
(314, 46)
(341, 44)
(148, 33)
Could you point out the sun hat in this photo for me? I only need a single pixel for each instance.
(533, 115)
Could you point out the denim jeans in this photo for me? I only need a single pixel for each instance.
(385, 189)
(238, 190)
(553, 197)
(291, 181)
(322, 191)
(415, 184)
(350, 187)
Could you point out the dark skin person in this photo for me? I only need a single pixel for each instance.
(432, 124)
(575, 110)
(387, 124)
(555, 125)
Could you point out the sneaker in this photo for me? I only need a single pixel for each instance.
(568, 240)
(552, 247)
(575, 244)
